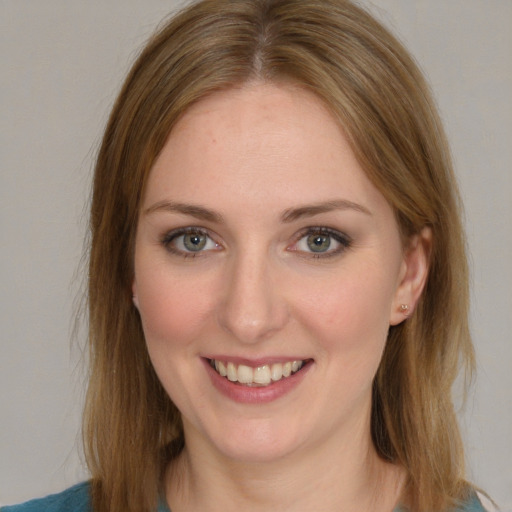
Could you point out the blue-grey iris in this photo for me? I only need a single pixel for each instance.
(319, 243)
(194, 241)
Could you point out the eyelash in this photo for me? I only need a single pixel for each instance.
(172, 236)
(342, 239)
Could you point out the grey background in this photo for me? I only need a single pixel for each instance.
(62, 62)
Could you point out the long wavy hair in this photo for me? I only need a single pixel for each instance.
(371, 84)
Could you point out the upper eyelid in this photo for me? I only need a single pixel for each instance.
(185, 230)
(322, 230)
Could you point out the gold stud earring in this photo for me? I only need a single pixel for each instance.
(404, 308)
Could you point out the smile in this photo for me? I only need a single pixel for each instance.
(260, 376)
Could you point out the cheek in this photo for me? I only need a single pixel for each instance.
(173, 309)
(350, 315)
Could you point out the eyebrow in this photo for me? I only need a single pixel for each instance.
(293, 214)
(200, 212)
(289, 215)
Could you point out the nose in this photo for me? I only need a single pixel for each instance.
(252, 307)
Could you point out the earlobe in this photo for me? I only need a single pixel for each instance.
(413, 276)
(134, 295)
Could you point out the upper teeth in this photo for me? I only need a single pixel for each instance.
(259, 376)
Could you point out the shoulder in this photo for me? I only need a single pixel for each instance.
(478, 503)
(484, 503)
(74, 499)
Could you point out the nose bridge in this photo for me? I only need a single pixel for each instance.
(253, 306)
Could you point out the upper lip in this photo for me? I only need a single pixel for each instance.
(256, 362)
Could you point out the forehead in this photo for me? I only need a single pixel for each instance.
(260, 143)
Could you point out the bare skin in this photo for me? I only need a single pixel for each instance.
(356, 482)
(261, 242)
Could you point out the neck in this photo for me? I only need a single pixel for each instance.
(349, 477)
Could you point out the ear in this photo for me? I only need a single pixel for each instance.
(134, 294)
(413, 276)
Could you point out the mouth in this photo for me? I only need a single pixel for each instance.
(260, 376)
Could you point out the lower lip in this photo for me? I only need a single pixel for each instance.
(256, 395)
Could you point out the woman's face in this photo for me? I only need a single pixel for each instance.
(262, 247)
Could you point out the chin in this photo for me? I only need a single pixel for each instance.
(256, 451)
(255, 441)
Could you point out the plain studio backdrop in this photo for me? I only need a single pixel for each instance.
(62, 63)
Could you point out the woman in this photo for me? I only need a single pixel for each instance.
(278, 284)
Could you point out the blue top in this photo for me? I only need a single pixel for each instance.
(74, 499)
(77, 499)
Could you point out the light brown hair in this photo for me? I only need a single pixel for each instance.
(371, 84)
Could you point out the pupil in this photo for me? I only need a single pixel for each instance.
(319, 243)
(194, 242)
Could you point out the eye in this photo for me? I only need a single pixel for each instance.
(321, 242)
(189, 241)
